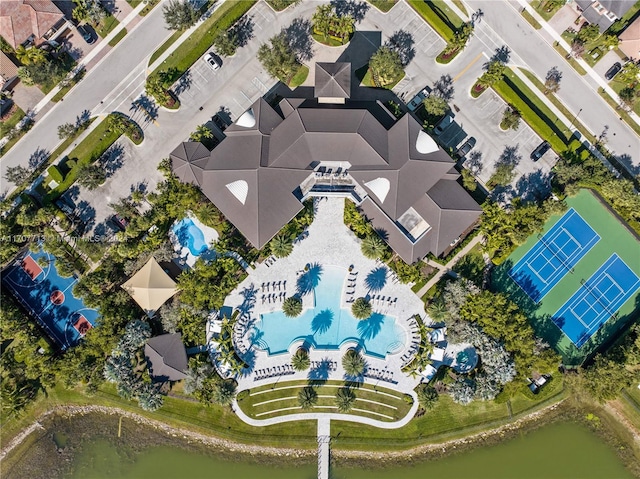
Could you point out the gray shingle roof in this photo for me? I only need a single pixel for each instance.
(254, 175)
(333, 80)
(167, 357)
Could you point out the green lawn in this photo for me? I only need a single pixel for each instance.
(201, 40)
(163, 48)
(106, 25)
(119, 36)
(570, 60)
(533, 110)
(529, 18)
(383, 5)
(559, 105)
(619, 111)
(299, 77)
(374, 402)
(7, 126)
(543, 10)
(614, 237)
(88, 151)
(618, 85)
(437, 14)
(366, 78)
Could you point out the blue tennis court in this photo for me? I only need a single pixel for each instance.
(554, 255)
(597, 300)
(35, 282)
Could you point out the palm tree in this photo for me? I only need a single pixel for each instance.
(373, 246)
(30, 56)
(300, 360)
(353, 363)
(345, 398)
(224, 392)
(322, 19)
(91, 176)
(427, 396)
(307, 397)
(292, 307)
(344, 26)
(494, 73)
(281, 246)
(201, 133)
(361, 308)
(437, 310)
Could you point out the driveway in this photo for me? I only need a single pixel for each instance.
(563, 19)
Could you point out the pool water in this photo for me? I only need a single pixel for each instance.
(190, 236)
(327, 326)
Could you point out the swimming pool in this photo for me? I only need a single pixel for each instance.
(327, 326)
(190, 236)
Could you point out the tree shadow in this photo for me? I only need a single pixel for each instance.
(224, 114)
(87, 214)
(183, 84)
(370, 327)
(402, 42)
(243, 30)
(503, 194)
(376, 279)
(308, 280)
(384, 234)
(322, 321)
(72, 194)
(357, 10)
(473, 163)
(501, 54)
(112, 159)
(509, 156)
(249, 296)
(299, 38)
(534, 186)
(83, 118)
(443, 87)
(321, 371)
(145, 108)
(37, 157)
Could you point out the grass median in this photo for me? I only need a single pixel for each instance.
(202, 38)
(437, 14)
(619, 111)
(537, 115)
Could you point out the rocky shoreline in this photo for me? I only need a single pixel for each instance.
(421, 452)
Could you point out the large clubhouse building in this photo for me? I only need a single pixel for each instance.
(274, 158)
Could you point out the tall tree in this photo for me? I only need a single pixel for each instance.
(201, 133)
(300, 360)
(31, 55)
(386, 66)
(307, 397)
(90, 11)
(345, 398)
(180, 15)
(322, 19)
(292, 307)
(278, 59)
(91, 176)
(510, 118)
(552, 81)
(17, 174)
(361, 308)
(281, 246)
(226, 43)
(373, 247)
(353, 363)
(493, 74)
(435, 105)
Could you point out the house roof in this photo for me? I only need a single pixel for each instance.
(19, 19)
(595, 11)
(8, 69)
(188, 161)
(333, 80)
(150, 287)
(254, 175)
(166, 357)
(630, 40)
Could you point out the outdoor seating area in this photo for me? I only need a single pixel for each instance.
(351, 287)
(281, 370)
(380, 374)
(276, 291)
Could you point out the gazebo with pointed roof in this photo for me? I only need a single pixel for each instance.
(150, 287)
(166, 357)
(188, 160)
(333, 82)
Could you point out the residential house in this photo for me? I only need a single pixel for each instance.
(630, 40)
(604, 12)
(24, 22)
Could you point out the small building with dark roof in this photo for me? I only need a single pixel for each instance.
(274, 158)
(166, 357)
(604, 12)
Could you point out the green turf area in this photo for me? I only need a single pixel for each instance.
(7, 126)
(375, 402)
(299, 77)
(534, 111)
(437, 14)
(545, 8)
(119, 36)
(569, 59)
(614, 237)
(383, 5)
(202, 38)
(623, 114)
(529, 18)
(163, 48)
(106, 25)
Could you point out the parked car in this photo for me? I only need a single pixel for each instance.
(219, 122)
(466, 147)
(540, 150)
(85, 32)
(120, 222)
(213, 62)
(443, 124)
(416, 101)
(613, 71)
(64, 206)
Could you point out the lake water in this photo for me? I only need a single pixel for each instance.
(561, 450)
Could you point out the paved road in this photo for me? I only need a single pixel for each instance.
(124, 64)
(502, 24)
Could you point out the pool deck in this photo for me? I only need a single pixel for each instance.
(330, 243)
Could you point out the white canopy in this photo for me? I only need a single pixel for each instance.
(150, 287)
